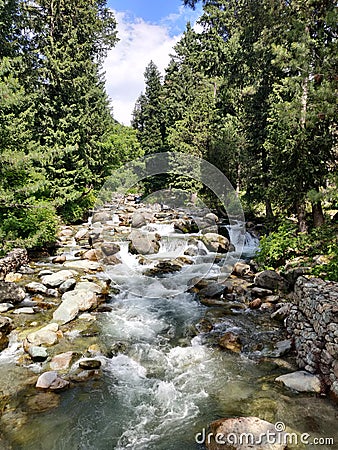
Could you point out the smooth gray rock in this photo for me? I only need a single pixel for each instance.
(67, 285)
(57, 278)
(301, 381)
(72, 303)
(25, 310)
(36, 288)
(4, 307)
(38, 353)
(144, 243)
(82, 264)
(45, 336)
(51, 380)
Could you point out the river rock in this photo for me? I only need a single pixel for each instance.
(241, 269)
(72, 303)
(25, 310)
(67, 285)
(51, 380)
(233, 430)
(216, 243)
(283, 347)
(36, 288)
(45, 336)
(84, 265)
(301, 381)
(38, 354)
(110, 249)
(59, 259)
(144, 243)
(56, 279)
(269, 279)
(89, 286)
(101, 217)
(10, 292)
(231, 341)
(62, 361)
(81, 234)
(90, 364)
(141, 218)
(43, 401)
(112, 260)
(4, 307)
(255, 304)
(260, 292)
(162, 268)
(212, 290)
(5, 328)
(91, 255)
(13, 277)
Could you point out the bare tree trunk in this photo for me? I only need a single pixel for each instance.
(268, 209)
(301, 213)
(317, 214)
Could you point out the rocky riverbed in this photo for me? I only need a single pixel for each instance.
(151, 313)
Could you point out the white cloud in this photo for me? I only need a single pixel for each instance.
(139, 43)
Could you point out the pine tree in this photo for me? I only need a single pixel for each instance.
(73, 117)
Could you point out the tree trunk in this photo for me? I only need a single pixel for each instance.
(301, 213)
(268, 209)
(317, 214)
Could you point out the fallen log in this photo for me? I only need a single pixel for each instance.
(12, 261)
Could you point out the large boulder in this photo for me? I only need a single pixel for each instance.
(243, 433)
(269, 279)
(216, 243)
(56, 279)
(144, 243)
(10, 292)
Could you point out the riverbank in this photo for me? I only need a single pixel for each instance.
(162, 328)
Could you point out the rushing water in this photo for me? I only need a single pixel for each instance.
(168, 383)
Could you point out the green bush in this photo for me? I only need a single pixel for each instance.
(75, 210)
(286, 244)
(28, 227)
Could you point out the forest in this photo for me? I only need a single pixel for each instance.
(253, 91)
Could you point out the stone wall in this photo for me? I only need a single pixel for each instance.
(313, 324)
(14, 259)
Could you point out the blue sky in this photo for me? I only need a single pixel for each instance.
(151, 11)
(148, 30)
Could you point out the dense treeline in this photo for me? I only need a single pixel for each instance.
(255, 94)
(58, 138)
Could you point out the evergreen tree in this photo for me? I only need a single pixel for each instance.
(73, 117)
(148, 116)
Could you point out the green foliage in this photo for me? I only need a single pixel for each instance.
(286, 243)
(31, 227)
